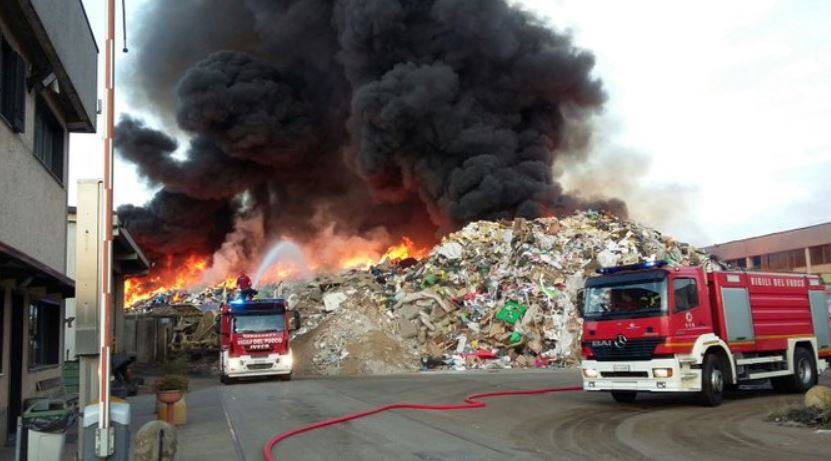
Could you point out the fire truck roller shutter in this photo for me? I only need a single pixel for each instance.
(737, 315)
(819, 317)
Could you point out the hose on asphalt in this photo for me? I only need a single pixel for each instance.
(470, 402)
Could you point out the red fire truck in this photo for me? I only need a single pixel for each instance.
(254, 336)
(654, 328)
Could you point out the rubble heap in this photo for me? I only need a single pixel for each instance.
(492, 295)
(193, 328)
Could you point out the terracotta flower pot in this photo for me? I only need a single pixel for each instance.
(169, 397)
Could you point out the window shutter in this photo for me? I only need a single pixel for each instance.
(12, 87)
(57, 151)
(5, 72)
(19, 103)
(2, 68)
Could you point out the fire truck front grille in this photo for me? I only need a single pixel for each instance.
(624, 374)
(632, 349)
(259, 366)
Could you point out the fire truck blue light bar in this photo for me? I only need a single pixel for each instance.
(631, 267)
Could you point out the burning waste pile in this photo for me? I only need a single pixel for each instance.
(492, 295)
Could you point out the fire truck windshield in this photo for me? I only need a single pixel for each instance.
(259, 323)
(628, 299)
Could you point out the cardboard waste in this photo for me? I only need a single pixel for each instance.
(492, 295)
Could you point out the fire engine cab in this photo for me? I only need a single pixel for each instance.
(654, 328)
(254, 335)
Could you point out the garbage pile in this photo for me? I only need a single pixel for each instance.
(209, 298)
(193, 328)
(348, 327)
(492, 295)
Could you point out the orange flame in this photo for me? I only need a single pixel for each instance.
(362, 259)
(165, 278)
(405, 249)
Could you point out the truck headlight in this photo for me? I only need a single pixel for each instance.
(589, 373)
(289, 359)
(662, 372)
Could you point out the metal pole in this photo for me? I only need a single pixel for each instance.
(18, 443)
(105, 436)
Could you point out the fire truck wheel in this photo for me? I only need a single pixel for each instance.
(286, 377)
(804, 376)
(624, 396)
(225, 379)
(712, 380)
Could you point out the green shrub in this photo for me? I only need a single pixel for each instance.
(175, 366)
(802, 415)
(172, 383)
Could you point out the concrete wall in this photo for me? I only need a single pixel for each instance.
(147, 337)
(86, 277)
(69, 304)
(66, 24)
(5, 352)
(86, 267)
(32, 200)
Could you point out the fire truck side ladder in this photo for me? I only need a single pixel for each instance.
(756, 360)
(748, 364)
(769, 374)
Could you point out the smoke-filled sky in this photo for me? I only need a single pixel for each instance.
(717, 111)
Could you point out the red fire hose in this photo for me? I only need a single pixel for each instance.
(470, 403)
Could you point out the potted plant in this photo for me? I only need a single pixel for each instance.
(170, 388)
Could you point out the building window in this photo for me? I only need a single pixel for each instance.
(686, 294)
(48, 139)
(820, 254)
(740, 263)
(2, 327)
(12, 87)
(44, 334)
(783, 260)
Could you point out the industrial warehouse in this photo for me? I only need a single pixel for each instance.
(806, 250)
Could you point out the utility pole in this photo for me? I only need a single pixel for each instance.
(105, 436)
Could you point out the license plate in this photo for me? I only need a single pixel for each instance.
(621, 368)
(261, 361)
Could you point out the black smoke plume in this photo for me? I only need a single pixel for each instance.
(417, 116)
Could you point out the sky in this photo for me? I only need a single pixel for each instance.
(716, 125)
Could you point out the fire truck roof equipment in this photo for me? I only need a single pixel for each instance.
(243, 306)
(631, 267)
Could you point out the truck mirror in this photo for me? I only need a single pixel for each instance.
(581, 297)
(295, 320)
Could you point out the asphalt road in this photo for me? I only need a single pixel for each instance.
(233, 422)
